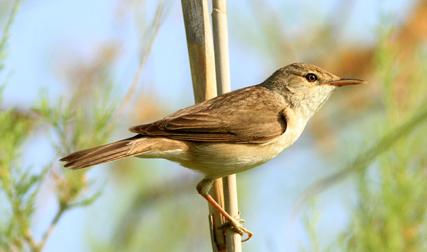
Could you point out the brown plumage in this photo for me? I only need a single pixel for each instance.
(250, 115)
(230, 133)
(99, 154)
(218, 120)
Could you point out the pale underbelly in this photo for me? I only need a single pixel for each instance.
(221, 159)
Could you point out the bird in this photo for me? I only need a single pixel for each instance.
(230, 133)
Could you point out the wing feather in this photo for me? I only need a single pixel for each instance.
(249, 115)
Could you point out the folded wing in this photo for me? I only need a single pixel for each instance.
(249, 115)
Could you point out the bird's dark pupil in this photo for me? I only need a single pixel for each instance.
(311, 77)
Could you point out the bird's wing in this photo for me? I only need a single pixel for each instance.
(249, 115)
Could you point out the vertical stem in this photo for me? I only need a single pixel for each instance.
(201, 54)
(220, 36)
(222, 67)
(200, 48)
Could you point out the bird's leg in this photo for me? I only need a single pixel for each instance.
(203, 189)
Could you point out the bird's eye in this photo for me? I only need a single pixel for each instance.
(311, 77)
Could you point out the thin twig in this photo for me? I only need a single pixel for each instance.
(151, 33)
(28, 237)
(8, 23)
(61, 210)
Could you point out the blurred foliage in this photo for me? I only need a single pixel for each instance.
(385, 124)
(391, 214)
(18, 186)
(6, 30)
(384, 119)
(70, 128)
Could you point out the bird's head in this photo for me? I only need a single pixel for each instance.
(306, 85)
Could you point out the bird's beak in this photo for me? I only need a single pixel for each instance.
(345, 82)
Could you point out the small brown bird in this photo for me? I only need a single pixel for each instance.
(229, 133)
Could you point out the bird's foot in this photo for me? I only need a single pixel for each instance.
(236, 226)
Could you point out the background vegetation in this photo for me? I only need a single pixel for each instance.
(355, 182)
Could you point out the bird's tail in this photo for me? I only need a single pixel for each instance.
(100, 154)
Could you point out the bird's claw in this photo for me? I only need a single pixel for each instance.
(236, 226)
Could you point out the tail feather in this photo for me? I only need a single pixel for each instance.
(79, 153)
(134, 146)
(94, 158)
(100, 154)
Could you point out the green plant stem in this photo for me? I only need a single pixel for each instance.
(8, 24)
(61, 210)
(28, 237)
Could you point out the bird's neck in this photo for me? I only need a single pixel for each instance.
(308, 108)
(306, 102)
(306, 105)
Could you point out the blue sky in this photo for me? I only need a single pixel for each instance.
(47, 32)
